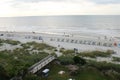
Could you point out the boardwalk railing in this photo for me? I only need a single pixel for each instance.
(36, 67)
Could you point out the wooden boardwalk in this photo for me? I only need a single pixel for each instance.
(36, 67)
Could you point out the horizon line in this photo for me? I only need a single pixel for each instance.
(59, 15)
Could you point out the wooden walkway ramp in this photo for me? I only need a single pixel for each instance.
(36, 67)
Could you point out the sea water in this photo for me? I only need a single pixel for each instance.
(89, 24)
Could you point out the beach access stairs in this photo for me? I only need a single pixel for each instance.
(39, 65)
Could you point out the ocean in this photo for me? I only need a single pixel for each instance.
(94, 24)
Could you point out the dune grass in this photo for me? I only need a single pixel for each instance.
(90, 74)
(117, 59)
(14, 61)
(8, 41)
(84, 74)
(95, 54)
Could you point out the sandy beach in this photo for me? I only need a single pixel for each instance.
(88, 43)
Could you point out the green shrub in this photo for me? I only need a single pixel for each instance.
(31, 77)
(40, 46)
(79, 60)
(95, 54)
(116, 59)
(66, 60)
(104, 65)
(12, 42)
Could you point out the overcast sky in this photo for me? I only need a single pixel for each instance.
(9, 8)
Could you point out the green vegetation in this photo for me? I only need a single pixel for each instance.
(92, 70)
(79, 60)
(3, 75)
(83, 73)
(8, 41)
(13, 62)
(88, 69)
(95, 54)
(89, 73)
(108, 69)
(67, 52)
(17, 61)
(117, 59)
(31, 77)
(53, 75)
(66, 60)
(40, 46)
(1, 44)
(104, 65)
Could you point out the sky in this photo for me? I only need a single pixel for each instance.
(11, 8)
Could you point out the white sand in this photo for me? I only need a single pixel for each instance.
(46, 39)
